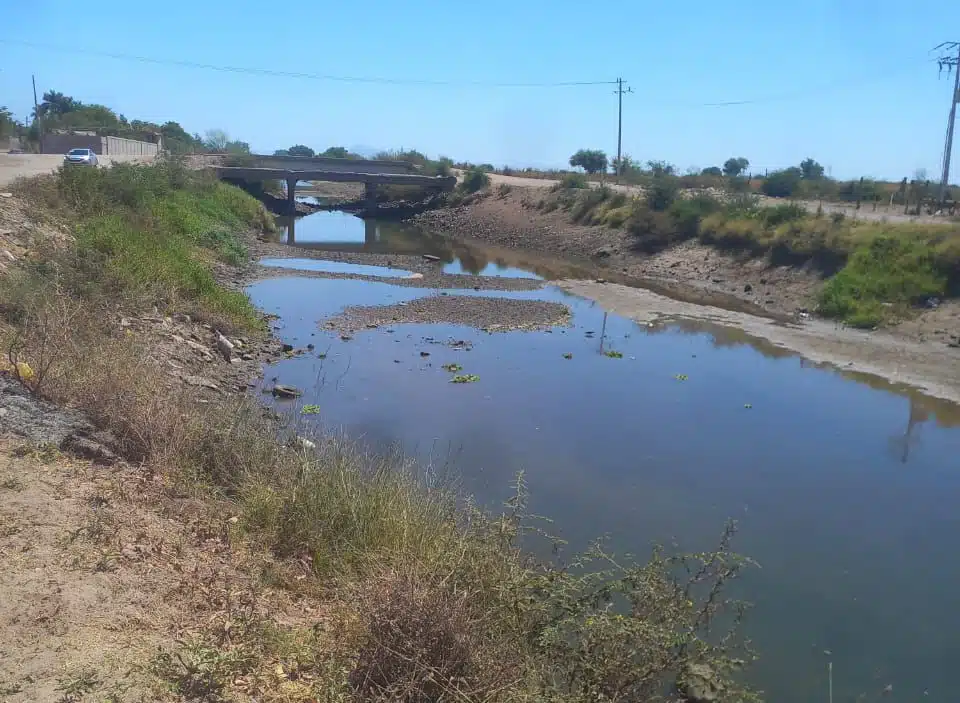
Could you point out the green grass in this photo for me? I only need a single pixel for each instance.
(150, 234)
(875, 272)
(883, 277)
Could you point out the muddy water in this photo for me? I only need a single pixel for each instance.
(846, 488)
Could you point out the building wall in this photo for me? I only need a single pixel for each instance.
(105, 146)
(117, 146)
(62, 143)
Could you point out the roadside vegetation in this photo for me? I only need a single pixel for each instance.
(876, 272)
(412, 593)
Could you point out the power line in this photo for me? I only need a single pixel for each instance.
(801, 94)
(297, 74)
(951, 63)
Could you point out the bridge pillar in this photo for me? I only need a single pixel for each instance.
(291, 196)
(370, 197)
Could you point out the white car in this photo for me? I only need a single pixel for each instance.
(80, 157)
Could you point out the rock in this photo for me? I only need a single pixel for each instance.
(286, 348)
(124, 322)
(311, 347)
(747, 288)
(304, 443)
(10, 256)
(89, 449)
(282, 391)
(6, 195)
(699, 683)
(200, 382)
(431, 257)
(763, 281)
(225, 347)
(603, 252)
(601, 280)
(424, 353)
(182, 317)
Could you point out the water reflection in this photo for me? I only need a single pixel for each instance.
(345, 232)
(857, 555)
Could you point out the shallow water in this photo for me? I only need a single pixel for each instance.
(846, 489)
(335, 267)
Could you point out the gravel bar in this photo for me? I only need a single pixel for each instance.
(487, 314)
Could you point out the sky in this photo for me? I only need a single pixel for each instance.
(851, 83)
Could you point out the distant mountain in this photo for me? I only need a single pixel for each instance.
(366, 151)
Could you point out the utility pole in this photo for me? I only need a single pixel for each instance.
(619, 92)
(36, 112)
(952, 63)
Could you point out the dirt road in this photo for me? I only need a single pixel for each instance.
(13, 166)
(866, 212)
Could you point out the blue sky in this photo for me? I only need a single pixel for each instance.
(848, 82)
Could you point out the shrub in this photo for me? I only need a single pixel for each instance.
(474, 180)
(503, 190)
(661, 192)
(887, 270)
(688, 212)
(782, 184)
(573, 181)
(587, 202)
(653, 230)
(779, 214)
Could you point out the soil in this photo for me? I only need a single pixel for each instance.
(103, 568)
(487, 314)
(923, 350)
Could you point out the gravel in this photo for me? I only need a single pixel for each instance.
(488, 314)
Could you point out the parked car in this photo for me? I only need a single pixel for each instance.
(80, 157)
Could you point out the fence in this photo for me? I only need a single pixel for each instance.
(105, 146)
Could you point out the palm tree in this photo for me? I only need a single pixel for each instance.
(56, 103)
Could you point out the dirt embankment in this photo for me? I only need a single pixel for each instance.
(513, 220)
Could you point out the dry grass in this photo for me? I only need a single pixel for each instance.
(413, 594)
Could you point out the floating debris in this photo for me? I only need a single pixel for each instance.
(310, 410)
(465, 378)
(568, 355)
(748, 406)
(613, 354)
(282, 391)
(424, 353)
(452, 368)
(681, 377)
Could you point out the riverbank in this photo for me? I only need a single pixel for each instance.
(923, 350)
(223, 556)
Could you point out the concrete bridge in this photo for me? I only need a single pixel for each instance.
(293, 169)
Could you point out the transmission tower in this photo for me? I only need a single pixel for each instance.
(949, 59)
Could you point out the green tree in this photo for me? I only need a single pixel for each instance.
(300, 150)
(56, 103)
(336, 152)
(216, 140)
(8, 126)
(177, 140)
(712, 171)
(625, 164)
(782, 184)
(661, 168)
(95, 118)
(590, 160)
(811, 170)
(235, 146)
(735, 166)
(281, 152)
